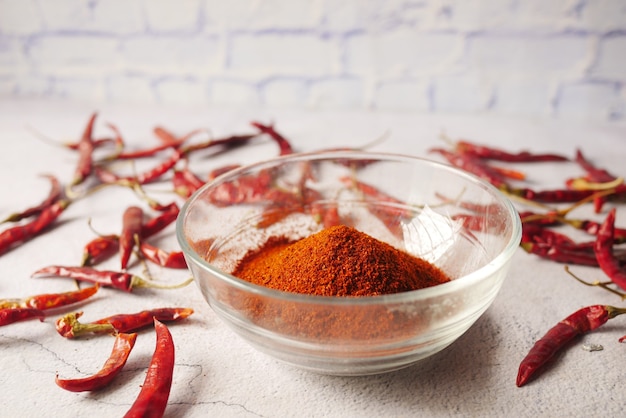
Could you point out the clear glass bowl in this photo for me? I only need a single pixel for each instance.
(450, 218)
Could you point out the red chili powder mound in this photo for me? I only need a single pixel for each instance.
(337, 261)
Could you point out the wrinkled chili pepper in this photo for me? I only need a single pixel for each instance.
(561, 254)
(106, 278)
(228, 143)
(155, 391)
(122, 347)
(54, 195)
(172, 259)
(474, 166)
(221, 170)
(68, 325)
(50, 300)
(149, 176)
(100, 249)
(12, 315)
(604, 252)
(186, 182)
(580, 322)
(283, 144)
(85, 148)
(245, 189)
(19, 234)
(549, 196)
(491, 153)
(132, 222)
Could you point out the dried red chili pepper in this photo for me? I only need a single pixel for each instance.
(228, 142)
(186, 182)
(549, 196)
(19, 234)
(246, 189)
(283, 144)
(85, 149)
(221, 170)
(106, 278)
(561, 254)
(149, 176)
(158, 223)
(122, 347)
(50, 300)
(582, 321)
(172, 259)
(54, 195)
(100, 249)
(491, 153)
(12, 315)
(68, 325)
(132, 222)
(155, 391)
(604, 252)
(473, 165)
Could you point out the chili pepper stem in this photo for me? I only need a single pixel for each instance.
(139, 282)
(603, 285)
(70, 327)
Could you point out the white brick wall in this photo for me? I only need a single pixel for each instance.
(564, 58)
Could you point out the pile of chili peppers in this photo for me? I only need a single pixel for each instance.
(544, 232)
(543, 236)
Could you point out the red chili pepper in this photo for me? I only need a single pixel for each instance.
(283, 144)
(149, 176)
(580, 322)
(473, 165)
(68, 325)
(122, 347)
(549, 196)
(106, 278)
(604, 252)
(17, 235)
(53, 196)
(593, 227)
(100, 249)
(186, 182)
(490, 153)
(131, 229)
(155, 391)
(594, 174)
(246, 189)
(156, 224)
(85, 153)
(173, 259)
(561, 254)
(540, 234)
(12, 315)
(50, 300)
(228, 142)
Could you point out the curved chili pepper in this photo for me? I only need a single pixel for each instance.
(85, 148)
(53, 196)
(149, 176)
(580, 322)
(155, 391)
(473, 165)
(50, 300)
(490, 153)
(132, 223)
(186, 182)
(122, 347)
(11, 315)
(68, 325)
(156, 224)
(549, 196)
(17, 235)
(228, 142)
(604, 252)
(173, 259)
(561, 254)
(283, 144)
(106, 278)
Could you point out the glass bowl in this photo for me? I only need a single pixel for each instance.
(452, 219)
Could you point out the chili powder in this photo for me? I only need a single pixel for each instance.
(337, 261)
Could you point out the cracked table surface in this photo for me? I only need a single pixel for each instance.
(216, 373)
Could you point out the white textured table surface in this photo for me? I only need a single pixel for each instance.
(217, 374)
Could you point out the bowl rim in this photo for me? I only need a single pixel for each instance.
(425, 293)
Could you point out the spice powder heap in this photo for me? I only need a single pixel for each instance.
(337, 261)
